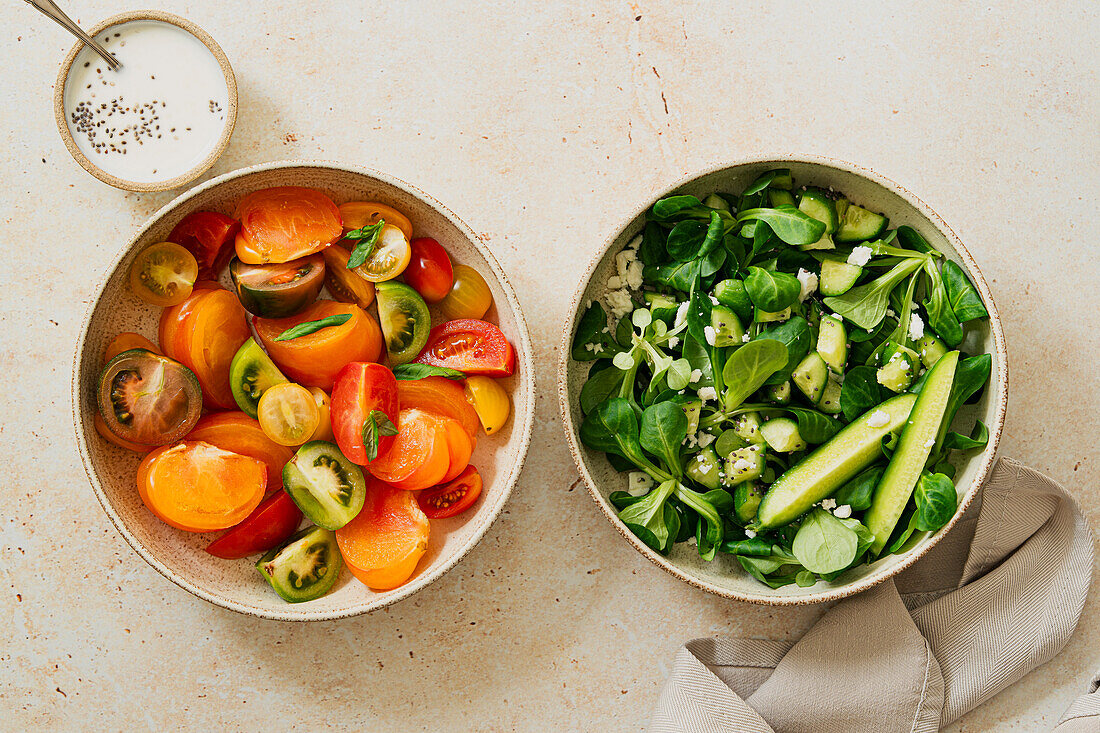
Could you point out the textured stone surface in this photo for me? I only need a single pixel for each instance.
(540, 126)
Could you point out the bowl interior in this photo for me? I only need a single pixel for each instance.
(724, 575)
(235, 583)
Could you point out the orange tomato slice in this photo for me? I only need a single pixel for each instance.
(460, 448)
(419, 456)
(440, 396)
(386, 540)
(171, 319)
(238, 433)
(197, 487)
(209, 339)
(124, 342)
(285, 223)
(315, 360)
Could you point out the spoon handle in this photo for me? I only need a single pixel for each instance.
(50, 10)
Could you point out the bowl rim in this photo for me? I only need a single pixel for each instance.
(176, 181)
(301, 612)
(989, 456)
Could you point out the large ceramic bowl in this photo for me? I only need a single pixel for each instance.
(724, 575)
(236, 584)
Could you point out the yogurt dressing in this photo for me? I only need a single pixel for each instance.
(159, 115)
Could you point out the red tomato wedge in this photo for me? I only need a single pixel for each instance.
(386, 540)
(453, 497)
(441, 396)
(362, 387)
(268, 525)
(208, 340)
(285, 223)
(209, 236)
(197, 487)
(429, 270)
(420, 454)
(239, 433)
(460, 447)
(471, 346)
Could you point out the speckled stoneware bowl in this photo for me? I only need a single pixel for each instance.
(236, 584)
(724, 576)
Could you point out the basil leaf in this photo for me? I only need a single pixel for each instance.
(411, 371)
(936, 501)
(860, 392)
(788, 223)
(367, 237)
(824, 544)
(771, 291)
(376, 425)
(593, 329)
(305, 329)
(663, 430)
(749, 367)
(964, 299)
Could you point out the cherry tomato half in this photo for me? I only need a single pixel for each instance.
(389, 258)
(361, 388)
(279, 289)
(268, 525)
(471, 346)
(288, 414)
(469, 296)
(490, 400)
(285, 223)
(209, 236)
(430, 270)
(147, 398)
(163, 274)
(454, 497)
(358, 214)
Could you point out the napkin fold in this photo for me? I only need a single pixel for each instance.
(999, 595)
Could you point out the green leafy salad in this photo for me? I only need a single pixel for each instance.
(779, 379)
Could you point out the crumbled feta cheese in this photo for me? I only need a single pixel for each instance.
(904, 365)
(836, 316)
(681, 315)
(843, 511)
(707, 393)
(704, 439)
(878, 419)
(634, 275)
(691, 540)
(594, 348)
(828, 504)
(808, 280)
(674, 342)
(708, 332)
(890, 312)
(749, 533)
(929, 443)
(635, 243)
(916, 327)
(695, 376)
(638, 483)
(745, 338)
(620, 302)
(614, 282)
(623, 260)
(742, 464)
(860, 256)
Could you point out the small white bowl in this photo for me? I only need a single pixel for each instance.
(724, 576)
(236, 584)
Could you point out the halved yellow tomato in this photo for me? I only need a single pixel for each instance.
(389, 258)
(470, 296)
(163, 274)
(288, 414)
(490, 401)
(358, 214)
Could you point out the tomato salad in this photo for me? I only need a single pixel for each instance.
(264, 404)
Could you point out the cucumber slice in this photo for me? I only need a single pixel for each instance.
(916, 442)
(780, 394)
(778, 197)
(251, 373)
(661, 306)
(747, 427)
(326, 486)
(745, 464)
(766, 317)
(830, 397)
(931, 349)
(703, 468)
(817, 204)
(727, 326)
(830, 466)
(781, 434)
(832, 343)
(859, 225)
(810, 375)
(692, 408)
(897, 374)
(837, 277)
(746, 500)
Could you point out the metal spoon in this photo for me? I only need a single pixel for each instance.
(50, 10)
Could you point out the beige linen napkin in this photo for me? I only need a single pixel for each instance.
(998, 596)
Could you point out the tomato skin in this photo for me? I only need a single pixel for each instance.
(316, 359)
(471, 346)
(105, 432)
(469, 296)
(208, 235)
(174, 318)
(440, 396)
(285, 223)
(360, 388)
(197, 487)
(274, 520)
(386, 540)
(420, 455)
(453, 497)
(238, 433)
(124, 342)
(207, 341)
(429, 270)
